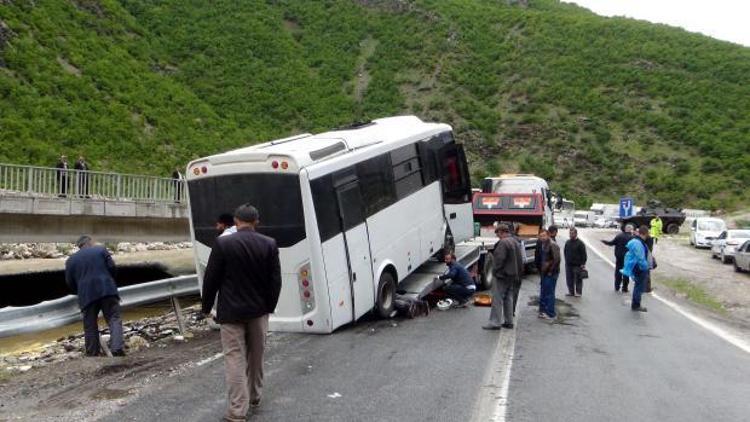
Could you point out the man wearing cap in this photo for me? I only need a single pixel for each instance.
(90, 274)
(507, 266)
(245, 271)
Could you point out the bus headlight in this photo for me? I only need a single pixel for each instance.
(306, 291)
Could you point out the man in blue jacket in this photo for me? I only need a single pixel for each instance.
(462, 288)
(637, 266)
(90, 274)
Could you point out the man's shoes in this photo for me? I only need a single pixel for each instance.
(569, 294)
(542, 315)
(639, 309)
(491, 327)
(507, 325)
(625, 290)
(460, 303)
(118, 353)
(578, 294)
(254, 404)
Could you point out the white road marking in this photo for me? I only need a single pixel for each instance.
(492, 404)
(209, 359)
(720, 332)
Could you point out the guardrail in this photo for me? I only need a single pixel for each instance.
(58, 312)
(47, 181)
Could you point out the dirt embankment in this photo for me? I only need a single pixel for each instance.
(678, 261)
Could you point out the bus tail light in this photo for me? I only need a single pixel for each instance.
(306, 292)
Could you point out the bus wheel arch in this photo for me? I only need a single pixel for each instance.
(385, 294)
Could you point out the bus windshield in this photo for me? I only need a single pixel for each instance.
(276, 196)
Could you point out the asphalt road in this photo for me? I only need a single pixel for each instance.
(598, 362)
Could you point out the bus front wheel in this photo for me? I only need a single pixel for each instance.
(386, 295)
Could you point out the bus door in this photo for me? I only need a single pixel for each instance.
(454, 174)
(356, 247)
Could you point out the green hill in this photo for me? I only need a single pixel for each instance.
(601, 107)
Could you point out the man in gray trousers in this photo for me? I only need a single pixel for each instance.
(506, 271)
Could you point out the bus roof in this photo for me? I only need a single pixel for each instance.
(306, 149)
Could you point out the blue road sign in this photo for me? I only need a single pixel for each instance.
(626, 207)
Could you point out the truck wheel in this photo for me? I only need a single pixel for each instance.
(386, 294)
(724, 258)
(487, 277)
(673, 228)
(736, 267)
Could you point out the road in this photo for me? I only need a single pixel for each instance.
(599, 361)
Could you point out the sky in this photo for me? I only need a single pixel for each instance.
(727, 20)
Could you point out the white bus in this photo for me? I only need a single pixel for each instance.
(353, 211)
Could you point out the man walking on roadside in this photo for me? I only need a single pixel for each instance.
(656, 228)
(637, 266)
(619, 242)
(575, 263)
(89, 274)
(506, 271)
(245, 271)
(549, 270)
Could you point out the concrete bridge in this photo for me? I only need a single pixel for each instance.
(40, 204)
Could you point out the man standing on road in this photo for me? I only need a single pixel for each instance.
(506, 271)
(637, 266)
(656, 228)
(575, 263)
(225, 225)
(619, 242)
(522, 255)
(462, 287)
(89, 273)
(552, 230)
(549, 270)
(245, 271)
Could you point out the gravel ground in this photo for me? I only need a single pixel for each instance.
(676, 259)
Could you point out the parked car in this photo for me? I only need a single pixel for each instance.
(742, 257)
(583, 219)
(704, 228)
(724, 246)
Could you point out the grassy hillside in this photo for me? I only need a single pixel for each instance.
(601, 107)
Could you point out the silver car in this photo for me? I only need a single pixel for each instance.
(742, 257)
(724, 246)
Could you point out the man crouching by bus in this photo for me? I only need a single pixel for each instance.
(245, 271)
(462, 287)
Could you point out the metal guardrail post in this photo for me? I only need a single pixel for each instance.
(178, 314)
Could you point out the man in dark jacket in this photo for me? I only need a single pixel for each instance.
(619, 242)
(507, 265)
(549, 270)
(245, 271)
(62, 176)
(90, 274)
(462, 286)
(82, 175)
(575, 262)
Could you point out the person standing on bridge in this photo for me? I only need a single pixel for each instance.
(619, 242)
(90, 274)
(62, 176)
(245, 271)
(506, 270)
(575, 263)
(82, 176)
(549, 269)
(637, 266)
(177, 181)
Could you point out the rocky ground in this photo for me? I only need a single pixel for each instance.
(14, 251)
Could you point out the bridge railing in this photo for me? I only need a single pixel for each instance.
(46, 181)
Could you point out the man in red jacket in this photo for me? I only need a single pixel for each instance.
(245, 271)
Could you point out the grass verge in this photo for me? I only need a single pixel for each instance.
(694, 293)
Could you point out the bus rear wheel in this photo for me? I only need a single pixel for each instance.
(385, 295)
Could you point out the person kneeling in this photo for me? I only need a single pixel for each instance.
(462, 287)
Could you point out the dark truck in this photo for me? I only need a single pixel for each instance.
(671, 218)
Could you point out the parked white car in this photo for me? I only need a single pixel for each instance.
(742, 257)
(724, 246)
(704, 228)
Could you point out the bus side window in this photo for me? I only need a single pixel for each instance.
(407, 170)
(376, 183)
